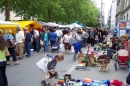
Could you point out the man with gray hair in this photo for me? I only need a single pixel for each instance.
(19, 42)
(27, 41)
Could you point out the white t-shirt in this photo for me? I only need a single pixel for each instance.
(67, 38)
(36, 33)
(59, 32)
(20, 37)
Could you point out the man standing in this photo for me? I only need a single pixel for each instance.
(92, 37)
(59, 34)
(36, 39)
(115, 32)
(27, 41)
(19, 42)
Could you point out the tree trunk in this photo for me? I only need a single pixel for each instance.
(49, 15)
(7, 10)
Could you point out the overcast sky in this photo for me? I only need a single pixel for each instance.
(107, 5)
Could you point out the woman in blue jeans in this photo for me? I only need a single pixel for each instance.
(112, 49)
(46, 38)
(3, 53)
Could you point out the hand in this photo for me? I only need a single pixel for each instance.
(23, 45)
(53, 72)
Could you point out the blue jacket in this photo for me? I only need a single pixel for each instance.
(77, 47)
(53, 36)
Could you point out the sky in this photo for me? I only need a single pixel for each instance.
(107, 5)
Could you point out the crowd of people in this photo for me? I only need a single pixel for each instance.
(24, 40)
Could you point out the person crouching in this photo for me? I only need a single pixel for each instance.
(47, 66)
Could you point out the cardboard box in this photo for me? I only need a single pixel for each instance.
(91, 57)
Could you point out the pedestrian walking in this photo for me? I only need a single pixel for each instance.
(66, 39)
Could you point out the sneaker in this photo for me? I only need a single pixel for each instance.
(43, 82)
(48, 84)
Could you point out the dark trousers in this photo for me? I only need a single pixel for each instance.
(12, 53)
(84, 42)
(3, 78)
(53, 42)
(37, 44)
(92, 41)
(27, 46)
(67, 46)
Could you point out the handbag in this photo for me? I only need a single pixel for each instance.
(73, 40)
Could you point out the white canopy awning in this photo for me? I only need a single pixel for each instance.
(8, 23)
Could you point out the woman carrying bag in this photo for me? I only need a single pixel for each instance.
(66, 39)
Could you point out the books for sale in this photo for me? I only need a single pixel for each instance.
(81, 66)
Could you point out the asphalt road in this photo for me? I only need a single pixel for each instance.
(28, 74)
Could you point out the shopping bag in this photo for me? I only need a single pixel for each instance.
(62, 47)
(72, 48)
(73, 40)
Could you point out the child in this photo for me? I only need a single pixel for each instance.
(47, 66)
(127, 82)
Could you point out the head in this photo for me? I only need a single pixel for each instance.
(1, 32)
(59, 57)
(25, 29)
(3, 43)
(68, 33)
(33, 29)
(113, 40)
(17, 29)
(79, 33)
(46, 30)
(8, 31)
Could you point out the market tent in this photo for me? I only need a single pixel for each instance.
(8, 23)
(42, 23)
(23, 24)
(50, 24)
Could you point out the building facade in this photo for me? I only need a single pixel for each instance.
(12, 16)
(126, 12)
(111, 15)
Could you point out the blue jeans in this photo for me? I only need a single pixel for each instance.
(110, 51)
(27, 46)
(3, 78)
(46, 46)
(12, 53)
(37, 44)
(84, 43)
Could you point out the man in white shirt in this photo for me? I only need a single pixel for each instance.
(19, 42)
(36, 39)
(59, 34)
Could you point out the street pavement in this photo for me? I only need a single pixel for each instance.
(28, 74)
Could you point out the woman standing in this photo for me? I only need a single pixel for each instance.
(66, 39)
(46, 38)
(10, 39)
(3, 53)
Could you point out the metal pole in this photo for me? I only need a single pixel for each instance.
(101, 12)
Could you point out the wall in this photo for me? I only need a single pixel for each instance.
(12, 16)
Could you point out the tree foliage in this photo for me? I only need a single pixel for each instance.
(64, 11)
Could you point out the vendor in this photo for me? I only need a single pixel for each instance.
(112, 49)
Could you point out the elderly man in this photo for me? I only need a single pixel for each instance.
(27, 41)
(19, 42)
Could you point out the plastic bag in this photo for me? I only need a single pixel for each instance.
(72, 48)
(62, 47)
